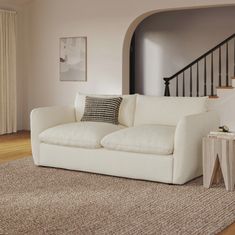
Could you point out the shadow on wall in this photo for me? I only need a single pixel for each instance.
(224, 106)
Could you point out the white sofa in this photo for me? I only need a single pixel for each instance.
(158, 139)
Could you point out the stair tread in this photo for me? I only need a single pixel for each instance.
(224, 87)
(213, 97)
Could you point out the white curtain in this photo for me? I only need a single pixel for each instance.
(8, 112)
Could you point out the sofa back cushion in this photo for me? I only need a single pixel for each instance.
(166, 110)
(126, 110)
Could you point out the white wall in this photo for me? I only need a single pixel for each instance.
(104, 22)
(166, 42)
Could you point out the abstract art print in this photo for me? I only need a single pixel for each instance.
(73, 61)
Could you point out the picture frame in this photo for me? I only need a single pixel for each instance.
(73, 59)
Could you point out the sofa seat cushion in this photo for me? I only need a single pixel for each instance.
(151, 139)
(79, 134)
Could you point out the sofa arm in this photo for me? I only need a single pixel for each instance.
(188, 145)
(44, 118)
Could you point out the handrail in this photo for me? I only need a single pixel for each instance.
(200, 58)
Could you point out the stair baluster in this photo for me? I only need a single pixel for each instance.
(183, 84)
(220, 77)
(234, 57)
(227, 81)
(212, 74)
(205, 78)
(191, 82)
(197, 80)
(177, 86)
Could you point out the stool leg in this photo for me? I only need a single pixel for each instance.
(231, 163)
(206, 164)
(210, 162)
(226, 163)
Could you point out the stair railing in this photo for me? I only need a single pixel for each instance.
(203, 58)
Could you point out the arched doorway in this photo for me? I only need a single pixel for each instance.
(193, 19)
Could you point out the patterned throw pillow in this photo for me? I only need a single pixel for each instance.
(102, 109)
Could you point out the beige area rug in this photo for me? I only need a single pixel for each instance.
(37, 200)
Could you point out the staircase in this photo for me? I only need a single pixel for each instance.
(213, 75)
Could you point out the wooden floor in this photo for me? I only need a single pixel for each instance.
(17, 146)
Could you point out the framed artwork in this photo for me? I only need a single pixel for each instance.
(73, 59)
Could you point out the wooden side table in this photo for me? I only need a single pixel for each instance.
(219, 161)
